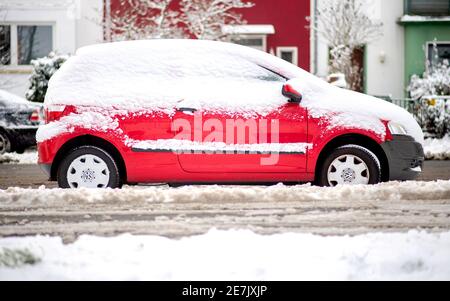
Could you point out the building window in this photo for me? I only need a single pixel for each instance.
(437, 52)
(33, 42)
(428, 7)
(20, 44)
(256, 42)
(289, 54)
(5, 45)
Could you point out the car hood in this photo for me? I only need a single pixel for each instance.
(357, 109)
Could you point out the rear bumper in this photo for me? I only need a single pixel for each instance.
(405, 157)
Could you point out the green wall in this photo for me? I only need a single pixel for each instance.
(417, 34)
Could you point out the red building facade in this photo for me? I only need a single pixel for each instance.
(291, 37)
(275, 26)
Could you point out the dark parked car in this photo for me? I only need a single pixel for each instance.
(19, 120)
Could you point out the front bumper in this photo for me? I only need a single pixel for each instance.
(405, 157)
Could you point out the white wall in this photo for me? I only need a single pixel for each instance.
(387, 78)
(382, 78)
(75, 24)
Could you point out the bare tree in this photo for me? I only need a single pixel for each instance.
(139, 19)
(202, 19)
(346, 26)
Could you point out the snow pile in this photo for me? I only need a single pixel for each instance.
(437, 149)
(439, 190)
(158, 74)
(29, 157)
(235, 255)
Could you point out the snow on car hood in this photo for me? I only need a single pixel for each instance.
(158, 74)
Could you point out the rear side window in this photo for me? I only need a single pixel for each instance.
(222, 66)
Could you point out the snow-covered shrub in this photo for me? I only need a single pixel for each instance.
(435, 81)
(436, 116)
(43, 69)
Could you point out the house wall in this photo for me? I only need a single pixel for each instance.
(289, 19)
(384, 58)
(417, 34)
(287, 16)
(75, 24)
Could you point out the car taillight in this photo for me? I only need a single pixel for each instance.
(54, 112)
(34, 117)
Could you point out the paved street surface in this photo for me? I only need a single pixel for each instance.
(66, 213)
(12, 175)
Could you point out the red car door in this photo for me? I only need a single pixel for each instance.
(276, 143)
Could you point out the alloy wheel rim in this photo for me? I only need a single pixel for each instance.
(88, 171)
(348, 170)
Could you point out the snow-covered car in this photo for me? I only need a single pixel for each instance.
(19, 121)
(181, 111)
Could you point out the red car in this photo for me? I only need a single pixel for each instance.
(188, 111)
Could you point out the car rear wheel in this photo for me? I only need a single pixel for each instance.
(350, 165)
(5, 144)
(88, 167)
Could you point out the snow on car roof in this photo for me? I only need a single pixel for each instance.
(158, 74)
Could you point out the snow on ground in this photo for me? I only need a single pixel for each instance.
(437, 149)
(412, 190)
(29, 157)
(229, 255)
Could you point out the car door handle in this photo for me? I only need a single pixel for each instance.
(189, 110)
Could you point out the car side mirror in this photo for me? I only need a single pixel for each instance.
(293, 95)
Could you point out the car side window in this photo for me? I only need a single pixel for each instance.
(222, 66)
(271, 76)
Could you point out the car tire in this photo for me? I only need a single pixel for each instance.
(20, 150)
(88, 167)
(351, 165)
(5, 143)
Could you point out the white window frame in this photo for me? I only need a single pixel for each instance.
(13, 66)
(292, 49)
(254, 36)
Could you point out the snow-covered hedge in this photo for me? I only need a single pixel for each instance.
(43, 70)
(436, 116)
(435, 81)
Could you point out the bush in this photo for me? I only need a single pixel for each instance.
(43, 70)
(435, 81)
(436, 116)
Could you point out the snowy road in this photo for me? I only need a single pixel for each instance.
(176, 212)
(28, 175)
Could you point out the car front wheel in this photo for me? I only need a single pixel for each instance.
(350, 165)
(88, 167)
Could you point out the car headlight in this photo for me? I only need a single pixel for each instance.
(396, 129)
